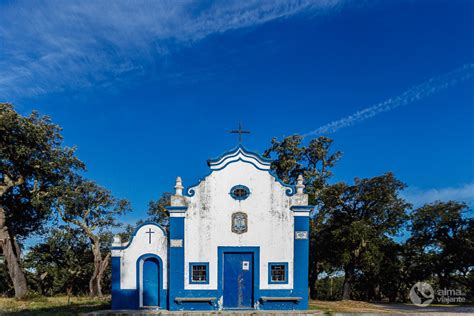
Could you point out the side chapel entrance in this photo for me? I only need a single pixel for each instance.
(150, 285)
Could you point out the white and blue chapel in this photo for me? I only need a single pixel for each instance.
(238, 239)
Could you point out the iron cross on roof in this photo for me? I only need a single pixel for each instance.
(239, 131)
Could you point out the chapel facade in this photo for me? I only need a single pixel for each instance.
(238, 239)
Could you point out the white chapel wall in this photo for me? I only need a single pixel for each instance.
(139, 246)
(270, 222)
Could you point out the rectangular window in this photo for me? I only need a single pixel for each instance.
(199, 273)
(278, 272)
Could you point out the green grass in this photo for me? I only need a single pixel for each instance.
(59, 305)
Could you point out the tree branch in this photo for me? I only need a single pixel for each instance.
(9, 182)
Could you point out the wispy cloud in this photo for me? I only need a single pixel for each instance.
(419, 197)
(49, 46)
(424, 90)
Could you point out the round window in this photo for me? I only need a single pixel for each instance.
(240, 192)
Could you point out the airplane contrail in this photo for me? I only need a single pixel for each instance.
(427, 88)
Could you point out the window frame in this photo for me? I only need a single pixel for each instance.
(270, 279)
(239, 186)
(193, 264)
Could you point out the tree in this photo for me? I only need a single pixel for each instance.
(361, 217)
(94, 211)
(157, 212)
(379, 274)
(33, 162)
(443, 235)
(6, 286)
(63, 263)
(314, 162)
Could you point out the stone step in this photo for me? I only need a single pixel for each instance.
(199, 313)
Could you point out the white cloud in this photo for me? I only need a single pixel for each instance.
(419, 197)
(424, 90)
(55, 45)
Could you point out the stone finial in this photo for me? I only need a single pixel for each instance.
(117, 240)
(299, 185)
(179, 186)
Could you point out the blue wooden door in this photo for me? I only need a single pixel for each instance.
(238, 280)
(151, 282)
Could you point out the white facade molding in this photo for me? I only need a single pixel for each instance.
(240, 154)
(148, 239)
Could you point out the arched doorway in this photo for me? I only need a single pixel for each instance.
(150, 277)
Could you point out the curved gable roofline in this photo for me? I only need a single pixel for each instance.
(136, 231)
(234, 152)
(240, 153)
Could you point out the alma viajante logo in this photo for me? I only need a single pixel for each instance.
(422, 295)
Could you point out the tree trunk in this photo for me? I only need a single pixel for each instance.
(12, 257)
(347, 286)
(100, 264)
(313, 278)
(377, 294)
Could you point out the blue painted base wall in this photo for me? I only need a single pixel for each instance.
(258, 304)
(129, 299)
(122, 299)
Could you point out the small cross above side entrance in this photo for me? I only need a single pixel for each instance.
(149, 232)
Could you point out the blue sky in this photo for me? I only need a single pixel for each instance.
(148, 90)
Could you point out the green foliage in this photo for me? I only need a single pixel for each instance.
(63, 263)
(33, 162)
(368, 208)
(361, 218)
(127, 231)
(353, 249)
(442, 242)
(291, 158)
(94, 211)
(6, 286)
(315, 161)
(157, 212)
(89, 206)
(329, 288)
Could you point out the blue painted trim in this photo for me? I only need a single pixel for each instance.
(176, 209)
(270, 264)
(233, 152)
(191, 264)
(291, 189)
(256, 268)
(116, 293)
(240, 159)
(302, 208)
(176, 263)
(300, 261)
(239, 186)
(163, 296)
(135, 233)
(190, 192)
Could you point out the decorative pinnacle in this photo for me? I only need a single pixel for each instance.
(299, 185)
(179, 186)
(117, 240)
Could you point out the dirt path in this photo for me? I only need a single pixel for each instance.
(357, 307)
